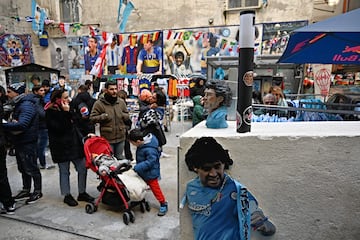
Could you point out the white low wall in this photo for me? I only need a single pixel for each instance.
(305, 175)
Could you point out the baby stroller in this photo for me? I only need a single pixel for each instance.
(112, 190)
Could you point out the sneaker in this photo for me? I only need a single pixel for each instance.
(10, 210)
(22, 195)
(42, 167)
(50, 166)
(85, 197)
(262, 224)
(34, 197)
(163, 209)
(12, 152)
(164, 155)
(69, 200)
(2, 209)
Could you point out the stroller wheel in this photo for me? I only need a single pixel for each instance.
(90, 208)
(142, 207)
(132, 216)
(147, 206)
(126, 218)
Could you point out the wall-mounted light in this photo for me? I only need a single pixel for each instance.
(211, 21)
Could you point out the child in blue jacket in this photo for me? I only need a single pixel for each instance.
(148, 165)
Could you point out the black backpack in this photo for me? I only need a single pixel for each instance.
(150, 123)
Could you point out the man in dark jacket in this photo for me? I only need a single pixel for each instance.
(81, 107)
(5, 191)
(39, 93)
(23, 131)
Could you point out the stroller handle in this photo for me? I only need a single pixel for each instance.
(90, 135)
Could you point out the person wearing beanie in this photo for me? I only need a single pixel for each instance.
(145, 102)
(22, 130)
(18, 88)
(151, 114)
(220, 206)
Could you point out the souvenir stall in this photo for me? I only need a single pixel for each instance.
(176, 89)
(25, 72)
(332, 63)
(266, 73)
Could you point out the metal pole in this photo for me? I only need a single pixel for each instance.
(245, 76)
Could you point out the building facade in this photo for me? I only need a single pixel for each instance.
(65, 25)
(154, 15)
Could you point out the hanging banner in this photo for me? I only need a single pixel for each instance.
(39, 15)
(186, 50)
(76, 52)
(322, 79)
(59, 53)
(276, 36)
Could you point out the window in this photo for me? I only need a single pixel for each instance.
(240, 4)
(69, 10)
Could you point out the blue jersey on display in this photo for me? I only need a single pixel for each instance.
(151, 61)
(90, 61)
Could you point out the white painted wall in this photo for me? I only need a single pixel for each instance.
(304, 174)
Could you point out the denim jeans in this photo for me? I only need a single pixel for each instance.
(41, 145)
(26, 159)
(118, 149)
(64, 173)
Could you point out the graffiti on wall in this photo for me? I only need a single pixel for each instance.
(179, 52)
(15, 50)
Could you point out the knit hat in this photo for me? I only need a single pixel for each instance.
(145, 95)
(18, 87)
